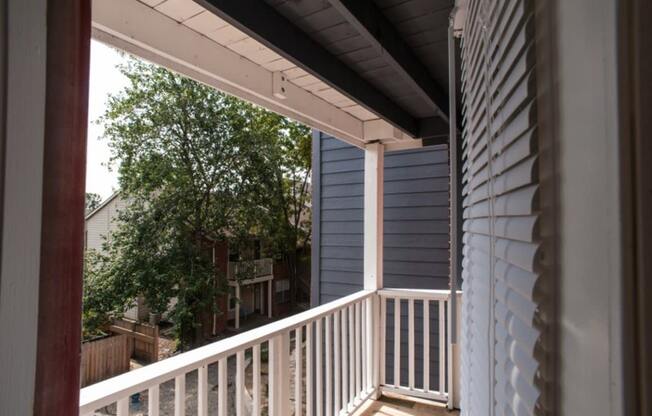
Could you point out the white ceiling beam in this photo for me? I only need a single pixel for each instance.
(379, 130)
(403, 145)
(147, 33)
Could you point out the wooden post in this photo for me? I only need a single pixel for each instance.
(237, 306)
(270, 283)
(373, 216)
(44, 48)
(373, 256)
(62, 224)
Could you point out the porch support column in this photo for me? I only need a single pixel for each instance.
(44, 55)
(237, 306)
(270, 283)
(373, 216)
(454, 161)
(373, 256)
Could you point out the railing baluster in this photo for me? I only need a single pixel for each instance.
(122, 407)
(345, 359)
(239, 383)
(153, 401)
(363, 346)
(318, 369)
(358, 364)
(298, 371)
(180, 395)
(450, 367)
(222, 386)
(329, 366)
(255, 408)
(397, 342)
(309, 370)
(279, 375)
(383, 340)
(352, 391)
(337, 347)
(411, 362)
(426, 345)
(442, 348)
(202, 391)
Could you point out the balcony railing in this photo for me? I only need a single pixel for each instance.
(251, 269)
(337, 351)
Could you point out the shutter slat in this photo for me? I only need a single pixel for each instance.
(500, 202)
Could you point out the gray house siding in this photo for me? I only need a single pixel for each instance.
(416, 219)
(337, 218)
(415, 233)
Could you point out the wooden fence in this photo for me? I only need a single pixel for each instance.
(104, 358)
(145, 338)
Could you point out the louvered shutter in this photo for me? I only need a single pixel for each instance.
(501, 240)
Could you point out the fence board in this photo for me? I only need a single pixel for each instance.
(104, 358)
(145, 338)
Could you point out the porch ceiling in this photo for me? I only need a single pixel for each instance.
(360, 70)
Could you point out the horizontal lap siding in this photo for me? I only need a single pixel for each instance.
(415, 248)
(341, 182)
(416, 219)
(415, 237)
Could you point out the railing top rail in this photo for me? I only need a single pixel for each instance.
(258, 267)
(108, 391)
(419, 294)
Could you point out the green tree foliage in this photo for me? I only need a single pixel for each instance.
(195, 166)
(93, 201)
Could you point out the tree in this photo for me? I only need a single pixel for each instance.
(196, 166)
(93, 201)
(288, 193)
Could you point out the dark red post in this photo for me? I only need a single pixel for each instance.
(60, 291)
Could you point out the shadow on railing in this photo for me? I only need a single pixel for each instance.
(331, 357)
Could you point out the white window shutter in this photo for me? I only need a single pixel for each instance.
(501, 265)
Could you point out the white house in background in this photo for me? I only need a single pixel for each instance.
(102, 221)
(99, 225)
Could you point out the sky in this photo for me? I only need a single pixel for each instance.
(105, 79)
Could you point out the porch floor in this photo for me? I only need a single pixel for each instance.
(396, 405)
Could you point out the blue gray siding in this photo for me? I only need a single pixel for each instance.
(338, 242)
(416, 218)
(416, 233)
(415, 246)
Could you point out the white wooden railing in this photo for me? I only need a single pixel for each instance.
(332, 348)
(252, 268)
(420, 304)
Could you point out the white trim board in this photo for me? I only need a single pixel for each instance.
(145, 32)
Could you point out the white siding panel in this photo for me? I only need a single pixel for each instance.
(103, 222)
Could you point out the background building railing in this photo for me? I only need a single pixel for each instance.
(320, 362)
(251, 269)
